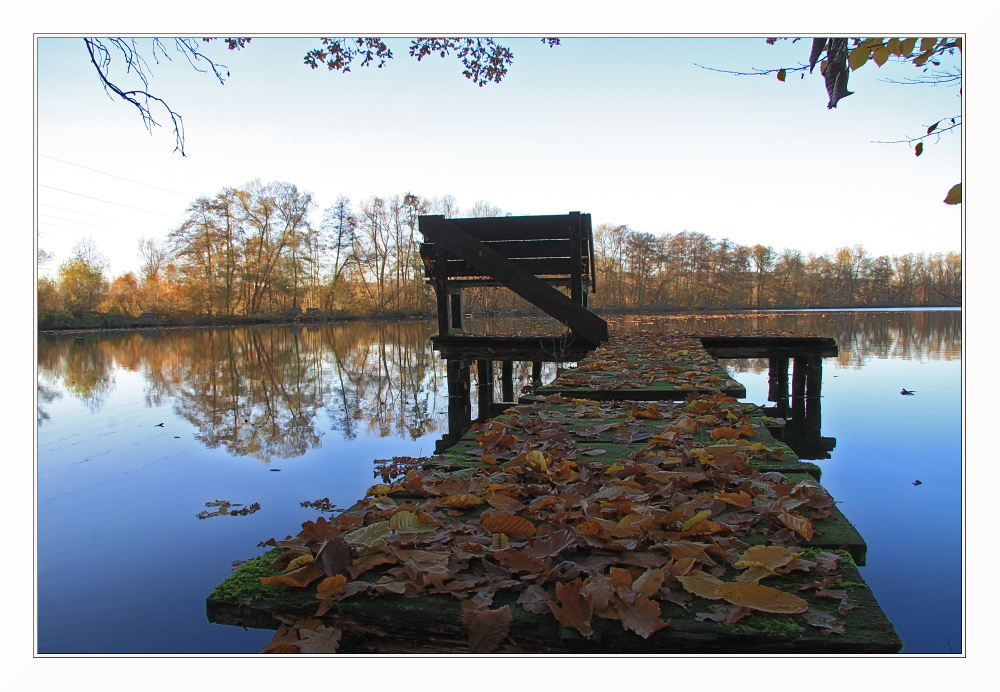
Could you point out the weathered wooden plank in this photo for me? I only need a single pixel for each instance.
(578, 318)
(533, 265)
(770, 346)
(432, 624)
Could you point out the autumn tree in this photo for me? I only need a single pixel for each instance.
(82, 281)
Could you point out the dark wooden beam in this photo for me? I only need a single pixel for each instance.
(584, 323)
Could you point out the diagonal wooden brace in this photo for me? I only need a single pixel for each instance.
(457, 242)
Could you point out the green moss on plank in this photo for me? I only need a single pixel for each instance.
(244, 583)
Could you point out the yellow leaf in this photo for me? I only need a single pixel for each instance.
(954, 195)
(300, 561)
(881, 55)
(697, 518)
(927, 44)
(858, 57)
(382, 489)
(536, 458)
(408, 522)
(701, 584)
(907, 46)
(763, 598)
(895, 46)
(770, 557)
(370, 537)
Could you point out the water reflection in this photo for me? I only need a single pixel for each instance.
(260, 391)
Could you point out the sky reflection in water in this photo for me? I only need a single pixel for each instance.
(124, 564)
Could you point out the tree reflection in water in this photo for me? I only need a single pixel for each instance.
(260, 391)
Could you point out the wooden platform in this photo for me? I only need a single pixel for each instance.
(572, 524)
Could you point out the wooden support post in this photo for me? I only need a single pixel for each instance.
(507, 380)
(484, 370)
(799, 388)
(777, 383)
(441, 293)
(457, 316)
(576, 259)
(459, 404)
(536, 372)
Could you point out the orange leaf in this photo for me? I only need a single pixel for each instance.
(724, 432)
(763, 598)
(514, 526)
(797, 523)
(331, 586)
(701, 584)
(460, 501)
(740, 499)
(768, 556)
(300, 577)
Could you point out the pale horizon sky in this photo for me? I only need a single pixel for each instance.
(630, 130)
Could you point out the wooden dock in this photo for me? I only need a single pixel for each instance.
(631, 506)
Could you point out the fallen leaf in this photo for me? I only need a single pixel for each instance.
(299, 578)
(487, 629)
(575, 610)
(701, 584)
(763, 598)
(512, 525)
(797, 523)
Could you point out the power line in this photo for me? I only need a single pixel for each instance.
(82, 223)
(116, 176)
(108, 201)
(77, 211)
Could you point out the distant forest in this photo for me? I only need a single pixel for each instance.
(252, 252)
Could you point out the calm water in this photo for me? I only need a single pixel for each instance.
(279, 416)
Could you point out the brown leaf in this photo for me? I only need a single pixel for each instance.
(487, 629)
(575, 611)
(319, 640)
(335, 556)
(516, 561)
(284, 641)
(534, 600)
(551, 544)
(641, 616)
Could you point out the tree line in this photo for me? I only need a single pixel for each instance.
(252, 252)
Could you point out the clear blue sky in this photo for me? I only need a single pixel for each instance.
(628, 129)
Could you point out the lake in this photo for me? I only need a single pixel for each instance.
(141, 432)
